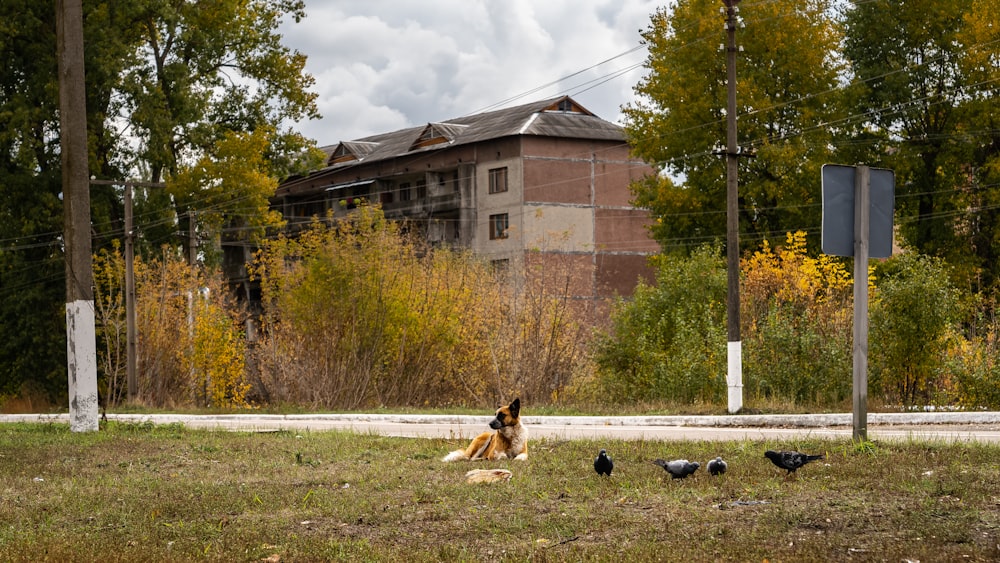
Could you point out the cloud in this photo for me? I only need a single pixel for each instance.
(382, 65)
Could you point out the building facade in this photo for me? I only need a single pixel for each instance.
(531, 188)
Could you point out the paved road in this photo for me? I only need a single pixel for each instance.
(980, 426)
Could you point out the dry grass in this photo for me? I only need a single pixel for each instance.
(142, 493)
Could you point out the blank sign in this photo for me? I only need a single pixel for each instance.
(838, 211)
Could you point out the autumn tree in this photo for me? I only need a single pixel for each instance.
(207, 75)
(787, 77)
(230, 186)
(925, 77)
(175, 89)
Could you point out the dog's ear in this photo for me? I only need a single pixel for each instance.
(515, 408)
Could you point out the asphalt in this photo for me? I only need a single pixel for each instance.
(977, 426)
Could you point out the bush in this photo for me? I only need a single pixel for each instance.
(912, 315)
(111, 328)
(974, 360)
(668, 341)
(797, 326)
(360, 314)
(190, 350)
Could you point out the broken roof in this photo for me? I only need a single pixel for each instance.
(555, 117)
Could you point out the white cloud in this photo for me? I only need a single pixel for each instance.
(383, 65)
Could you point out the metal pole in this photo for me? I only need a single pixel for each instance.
(862, 205)
(734, 377)
(81, 334)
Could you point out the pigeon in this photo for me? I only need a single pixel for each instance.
(678, 468)
(790, 460)
(717, 466)
(603, 464)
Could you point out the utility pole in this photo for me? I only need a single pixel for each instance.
(131, 364)
(734, 376)
(81, 335)
(130, 336)
(192, 239)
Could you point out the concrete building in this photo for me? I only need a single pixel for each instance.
(534, 187)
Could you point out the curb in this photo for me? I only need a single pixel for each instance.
(730, 421)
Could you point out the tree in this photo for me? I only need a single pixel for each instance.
(209, 67)
(981, 63)
(230, 187)
(32, 270)
(207, 73)
(787, 78)
(926, 75)
(170, 83)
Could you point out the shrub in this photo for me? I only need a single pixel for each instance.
(668, 341)
(190, 349)
(797, 326)
(973, 358)
(111, 328)
(360, 314)
(912, 314)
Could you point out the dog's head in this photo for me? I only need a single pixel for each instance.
(507, 416)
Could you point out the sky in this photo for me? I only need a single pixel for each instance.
(384, 65)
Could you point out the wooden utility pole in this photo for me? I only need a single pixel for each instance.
(81, 336)
(131, 362)
(192, 239)
(734, 376)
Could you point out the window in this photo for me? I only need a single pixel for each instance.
(501, 266)
(498, 180)
(498, 226)
(404, 191)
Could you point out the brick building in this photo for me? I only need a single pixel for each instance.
(544, 184)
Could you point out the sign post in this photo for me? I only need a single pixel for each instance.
(862, 202)
(858, 206)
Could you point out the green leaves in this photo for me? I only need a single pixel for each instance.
(925, 72)
(667, 342)
(787, 76)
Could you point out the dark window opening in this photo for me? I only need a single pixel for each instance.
(498, 226)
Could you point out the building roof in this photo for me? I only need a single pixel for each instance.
(555, 117)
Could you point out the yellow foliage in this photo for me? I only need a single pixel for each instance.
(217, 358)
(359, 314)
(789, 276)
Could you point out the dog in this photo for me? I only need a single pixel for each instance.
(507, 440)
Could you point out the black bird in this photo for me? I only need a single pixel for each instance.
(678, 468)
(603, 464)
(717, 466)
(790, 460)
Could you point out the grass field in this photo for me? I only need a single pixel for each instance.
(135, 492)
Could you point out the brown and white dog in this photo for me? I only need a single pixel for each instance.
(508, 440)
